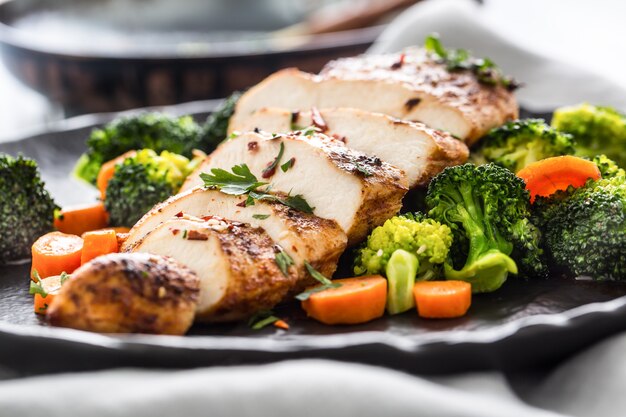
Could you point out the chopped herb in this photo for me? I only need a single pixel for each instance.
(233, 135)
(260, 216)
(325, 283)
(363, 169)
(295, 127)
(285, 167)
(309, 131)
(64, 277)
(185, 234)
(240, 181)
(485, 70)
(262, 319)
(283, 261)
(271, 168)
(36, 287)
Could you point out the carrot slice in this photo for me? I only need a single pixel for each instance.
(107, 170)
(52, 285)
(56, 252)
(98, 242)
(549, 175)
(77, 220)
(118, 230)
(442, 299)
(357, 300)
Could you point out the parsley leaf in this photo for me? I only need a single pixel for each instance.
(260, 216)
(240, 181)
(363, 169)
(64, 277)
(485, 70)
(283, 261)
(325, 283)
(271, 168)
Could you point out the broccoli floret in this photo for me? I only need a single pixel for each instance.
(584, 229)
(156, 131)
(488, 209)
(142, 181)
(519, 143)
(608, 168)
(596, 130)
(405, 249)
(26, 207)
(214, 129)
(426, 238)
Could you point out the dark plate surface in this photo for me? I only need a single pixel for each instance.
(525, 323)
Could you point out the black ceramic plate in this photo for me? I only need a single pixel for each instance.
(525, 323)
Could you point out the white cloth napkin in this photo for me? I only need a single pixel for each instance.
(590, 384)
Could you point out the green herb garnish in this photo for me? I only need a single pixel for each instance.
(260, 216)
(363, 169)
(283, 261)
(485, 70)
(262, 319)
(325, 283)
(36, 287)
(242, 181)
(271, 168)
(285, 167)
(64, 277)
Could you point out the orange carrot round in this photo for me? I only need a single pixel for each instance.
(442, 299)
(118, 230)
(77, 220)
(98, 242)
(549, 175)
(357, 300)
(107, 170)
(56, 252)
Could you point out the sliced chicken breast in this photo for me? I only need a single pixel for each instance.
(304, 237)
(357, 191)
(128, 293)
(235, 263)
(419, 151)
(410, 86)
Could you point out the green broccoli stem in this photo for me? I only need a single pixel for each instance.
(401, 271)
(488, 264)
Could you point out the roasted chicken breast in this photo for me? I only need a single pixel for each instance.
(357, 191)
(419, 151)
(304, 237)
(236, 264)
(128, 293)
(410, 86)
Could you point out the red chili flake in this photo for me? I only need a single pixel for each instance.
(179, 214)
(253, 146)
(399, 63)
(340, 138)
(242, 204)
(195, 235)
(175, 231)
(295, 116)
(318, 120)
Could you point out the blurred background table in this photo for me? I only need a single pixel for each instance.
(551, 27)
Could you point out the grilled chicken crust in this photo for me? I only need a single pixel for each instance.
(236, 265)
(128, 293)
(410, 86)
(419, 151)
(358, 191)
(305, 237)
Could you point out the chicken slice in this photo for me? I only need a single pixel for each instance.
(419, 151)
(410, 86)
(235, 262)
(128, 293)
(304, 237)
(358, 191)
